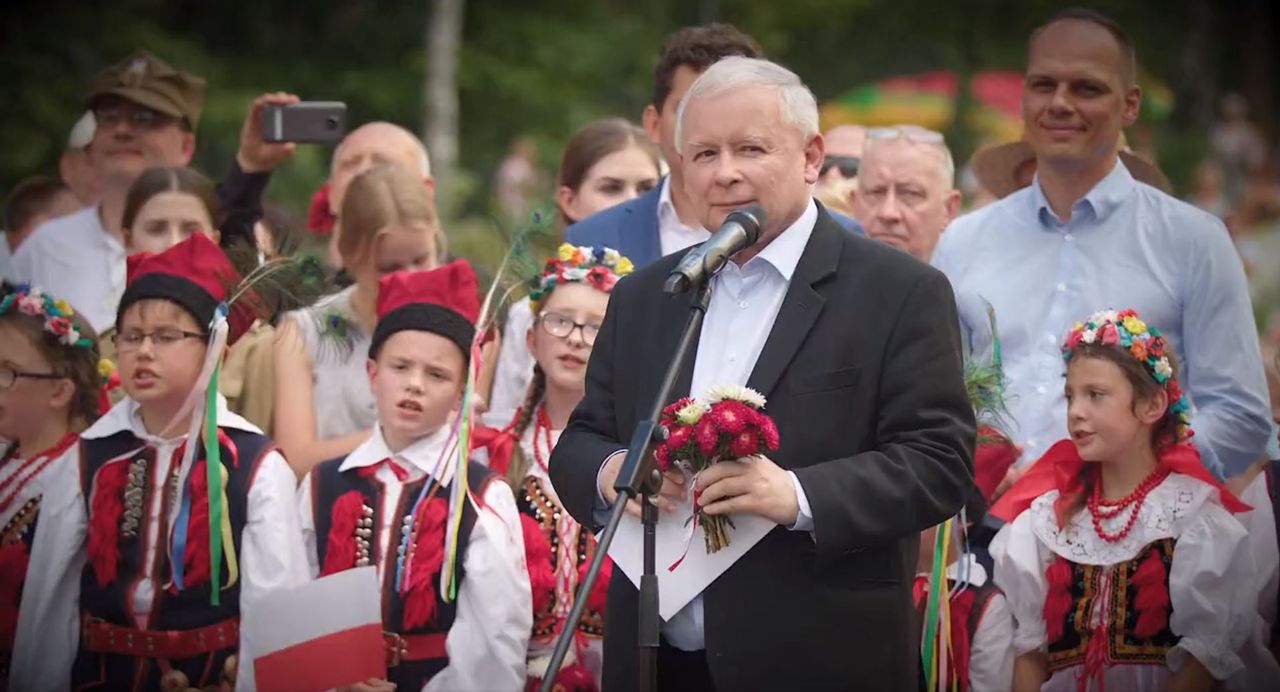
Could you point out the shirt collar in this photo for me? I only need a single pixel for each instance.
(423, 455)
(1101, 201)
(785, 250)
(977, 573)
(126, 416)
(665, 207)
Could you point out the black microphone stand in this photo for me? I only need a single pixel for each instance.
(639, 476)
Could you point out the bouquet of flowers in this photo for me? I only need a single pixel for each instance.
(728, 423)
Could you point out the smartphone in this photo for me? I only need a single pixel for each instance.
(307, 122)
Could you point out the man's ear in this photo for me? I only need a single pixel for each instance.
(814, 151)
(371, 369)
(188, 147)
(652, 124)
(1132, 105)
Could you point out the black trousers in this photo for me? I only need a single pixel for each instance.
(683, 671)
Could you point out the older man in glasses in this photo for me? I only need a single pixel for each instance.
(905, 193)
(145, 112)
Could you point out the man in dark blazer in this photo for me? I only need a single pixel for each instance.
(855, 345)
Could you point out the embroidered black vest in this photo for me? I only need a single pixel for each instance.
(533, 500)
(171, 610)
(18, 534)
(328, 484)
(1123, 647)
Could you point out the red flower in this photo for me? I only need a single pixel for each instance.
(730, 417)
(1129, 312)
(662, 455)
(1075, 338)
(769, 433)
(679, 437)
(745, 444)
(1155, 347)
(59, 325)
(673, 409)
(1108, 335)
(319, 218)
(707, 436)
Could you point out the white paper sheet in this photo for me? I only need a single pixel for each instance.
(677, 588)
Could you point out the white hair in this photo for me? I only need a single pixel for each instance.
(799, 107)
(424, 161)
(919, 136)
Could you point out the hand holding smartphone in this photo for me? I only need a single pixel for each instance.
(305, 122)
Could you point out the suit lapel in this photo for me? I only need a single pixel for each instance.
(801, 306)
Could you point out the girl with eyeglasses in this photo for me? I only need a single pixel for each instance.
(568, 301)
(49, 392)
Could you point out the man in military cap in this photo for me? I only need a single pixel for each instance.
(146, 112)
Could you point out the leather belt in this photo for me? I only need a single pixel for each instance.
(105, 638)
(414, 647)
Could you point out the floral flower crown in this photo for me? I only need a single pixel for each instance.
(57, 314)
(1124, 330)
(600, 267)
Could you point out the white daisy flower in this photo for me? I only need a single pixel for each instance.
(575, 274)
(611, 256)
(691, 413)
(726, 392)
(1163, 368)
(1089, 336)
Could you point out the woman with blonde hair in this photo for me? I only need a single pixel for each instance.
(323, 406)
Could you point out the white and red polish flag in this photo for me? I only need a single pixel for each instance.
(317, 636)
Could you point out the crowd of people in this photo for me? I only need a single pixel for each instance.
(1025, 441)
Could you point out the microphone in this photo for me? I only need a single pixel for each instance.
(740, 230)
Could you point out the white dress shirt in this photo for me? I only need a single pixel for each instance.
(673, 235)
(48, 624)
(271, 553)
(744, 303)
(6, 258)
(515, 367)
(489, 638)
(75, 258)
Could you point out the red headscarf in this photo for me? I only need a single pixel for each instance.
(1062, 469)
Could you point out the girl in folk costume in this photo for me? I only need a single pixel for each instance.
(1124, 565)
(568, 302)
(49, 391)
(445, 538)
(189, 507)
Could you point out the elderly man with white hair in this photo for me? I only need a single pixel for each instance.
(856, 348)
(906, 188)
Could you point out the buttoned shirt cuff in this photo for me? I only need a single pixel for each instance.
(804, 517)
(600, 511)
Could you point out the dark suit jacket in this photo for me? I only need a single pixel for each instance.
(631, 228)
(863, 375)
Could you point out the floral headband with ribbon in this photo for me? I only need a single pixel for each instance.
(56, 314)
(599, 267)
(1126, 331)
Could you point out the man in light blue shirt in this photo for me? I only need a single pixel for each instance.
(1086, 236)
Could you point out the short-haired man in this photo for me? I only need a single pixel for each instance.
(856, 348)
(145, 113)
(1086, 236)
(906, 188)
(32, 202)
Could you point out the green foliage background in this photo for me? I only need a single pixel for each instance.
(538, 68)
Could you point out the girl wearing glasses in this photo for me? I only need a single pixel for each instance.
(568, 301)
(49, 392)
